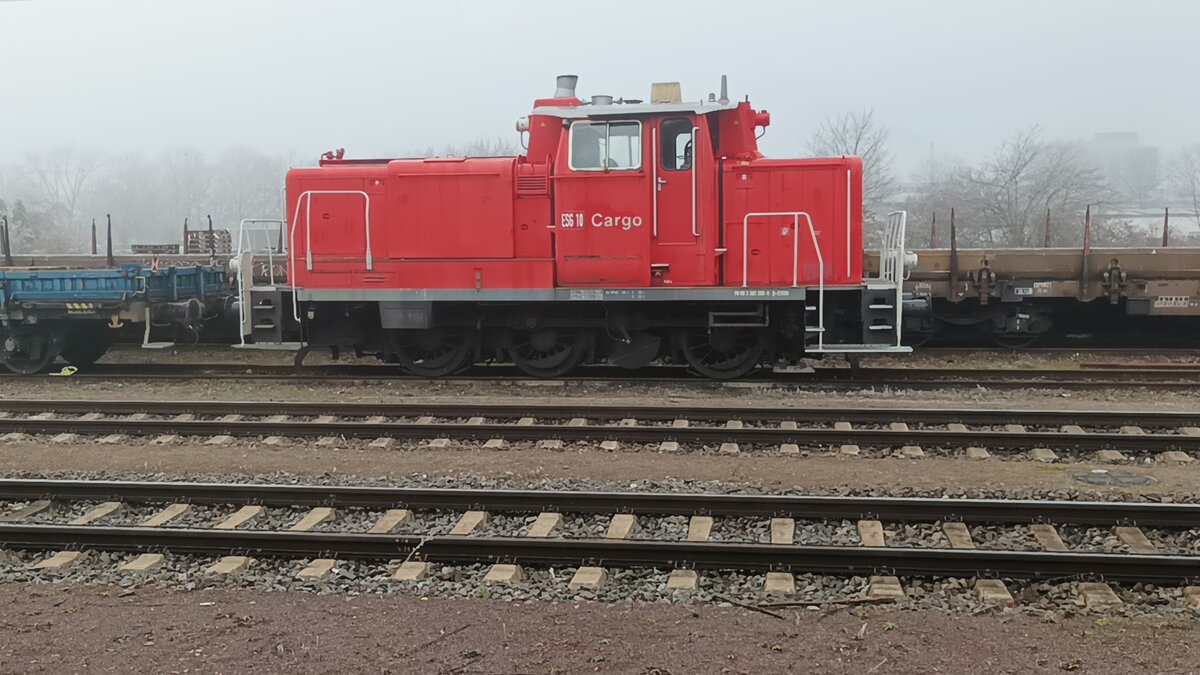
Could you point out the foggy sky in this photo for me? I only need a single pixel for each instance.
(389, 76)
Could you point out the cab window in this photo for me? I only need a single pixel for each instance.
(606, 146)
(677, 145)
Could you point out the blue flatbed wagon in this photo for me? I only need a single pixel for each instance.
(75, 313)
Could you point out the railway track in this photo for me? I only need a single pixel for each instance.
(33, 527)
(723, 413)
(913, 432)
(1181, 378)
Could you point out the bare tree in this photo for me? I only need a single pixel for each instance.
(477, 147)
(1003, 201)
(64, 178)
(1136, 174)
(1184, 177)
(131, 189)
(32, 231)
(246, 184)
(859, 134)
(186, 183)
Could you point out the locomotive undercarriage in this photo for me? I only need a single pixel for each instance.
(713, 339)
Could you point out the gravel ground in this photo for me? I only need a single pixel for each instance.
(1003, 537)
(573, 484)
(827, 532)
(1090, 539)
(472, 447)
(502, 525)
(756, 530)
(577, 526)
(350, 520)
(624, 391)
(668, 485)
(915, 535)
(1180, 542)
(665, 528)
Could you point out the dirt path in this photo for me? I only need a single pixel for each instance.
(815, 473)
(53, 629)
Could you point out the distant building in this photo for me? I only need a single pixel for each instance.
(1130, 168)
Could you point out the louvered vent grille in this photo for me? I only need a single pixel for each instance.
(532, 185)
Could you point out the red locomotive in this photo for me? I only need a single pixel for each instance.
(628, 233)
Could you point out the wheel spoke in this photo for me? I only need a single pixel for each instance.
(435, 352)
(561, 352)
(700, 348)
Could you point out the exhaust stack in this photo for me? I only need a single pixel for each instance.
(566, 86)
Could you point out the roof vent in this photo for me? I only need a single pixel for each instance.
(566, 86)
(601, 99)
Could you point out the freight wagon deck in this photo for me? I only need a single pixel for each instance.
(75, 313)
(1015, 295)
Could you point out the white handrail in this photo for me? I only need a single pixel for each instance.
(849, 220)
(306, 197)
(654, 180)
(796, 215)
(695, 156)
(270, 249)
(892, 262)
(245, 267)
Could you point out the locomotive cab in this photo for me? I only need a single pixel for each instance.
(636, 196)
(629, 233)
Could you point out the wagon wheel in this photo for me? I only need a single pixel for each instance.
(28, 352)
(916, 338)
(435, 352)
(723, 353)
(85, 343)
(547, 352)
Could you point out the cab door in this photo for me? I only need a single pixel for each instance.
(685, 232)
(602, 205)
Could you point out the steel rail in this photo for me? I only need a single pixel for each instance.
(822, 377)
(809, 415)
(534, 551)
(999, 440)
(815, 507)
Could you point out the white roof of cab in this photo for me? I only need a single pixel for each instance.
(626, 109)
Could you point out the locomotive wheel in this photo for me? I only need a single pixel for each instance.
(85, 343)
(723, 353)
(1014, 340)
(435, 352)
(547, 352)
(28, 353)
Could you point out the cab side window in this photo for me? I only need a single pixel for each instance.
(606, 146)
(677, 145)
